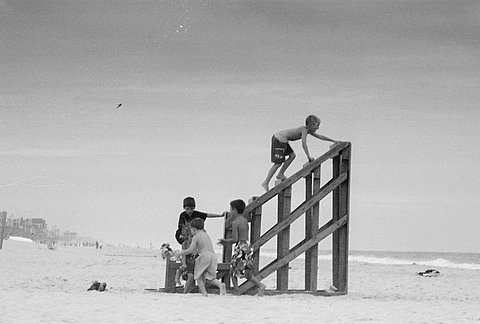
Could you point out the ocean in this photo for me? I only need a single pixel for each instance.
(468, 261)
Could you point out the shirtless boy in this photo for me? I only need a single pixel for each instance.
(281, 148)
(184, 237)
(206, 263)
(242, 258)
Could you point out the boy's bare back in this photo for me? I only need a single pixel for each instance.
(240, 229)
(292, 134)
(202, 242)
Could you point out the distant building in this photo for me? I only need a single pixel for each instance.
(19, 223)
(54, 233)
(37, 229)
(36, 225)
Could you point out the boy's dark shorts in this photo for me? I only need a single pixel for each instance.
(190, 262)
(280, 150)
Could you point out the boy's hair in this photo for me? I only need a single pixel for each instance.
(239, 205)
(311, 119)
(197, 223)
(189, 202)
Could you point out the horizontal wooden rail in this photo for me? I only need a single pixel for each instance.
(300, 248)
(300, 210)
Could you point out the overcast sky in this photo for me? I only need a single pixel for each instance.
(203, 87)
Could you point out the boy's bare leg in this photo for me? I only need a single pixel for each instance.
(261, 286)
(286, 164)
(270, 174)
(219, 285)
(189, 284)
(235, 285)
(201, 286)
(180, 270)
(178, 273)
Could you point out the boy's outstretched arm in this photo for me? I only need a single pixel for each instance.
(210, 215)
(324, 138)
(305, 146)
(191, 249)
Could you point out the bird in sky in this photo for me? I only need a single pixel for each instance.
(119, 105)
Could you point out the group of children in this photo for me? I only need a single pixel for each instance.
(199, 261)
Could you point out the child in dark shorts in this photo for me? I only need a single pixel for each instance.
(281, 147)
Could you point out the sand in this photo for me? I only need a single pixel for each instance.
(39, 285)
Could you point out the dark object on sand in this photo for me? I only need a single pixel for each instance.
(429, 273)
(99, 286)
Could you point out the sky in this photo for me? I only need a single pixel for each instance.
(203, 87)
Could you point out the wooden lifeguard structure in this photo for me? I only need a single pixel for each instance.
(339, 186)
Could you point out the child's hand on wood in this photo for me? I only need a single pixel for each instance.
(176, 254)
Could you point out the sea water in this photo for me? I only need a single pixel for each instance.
(469, 261)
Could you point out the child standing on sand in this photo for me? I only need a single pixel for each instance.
(242, 258)
(206, 263)
(281, 148)
(184, 237)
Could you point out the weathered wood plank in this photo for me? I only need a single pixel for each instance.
(308, 231)
(340, 237)
(312, 222)
(299, 211)
(300, 248)
(255, 233)
(283, 238)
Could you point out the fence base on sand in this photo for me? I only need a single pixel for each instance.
(268, 292)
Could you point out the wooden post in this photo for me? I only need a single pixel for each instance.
(341, 164)
(308, 232)
(3, 219)
(311, 226)
(283, 239)
(227, 251)
(227, 248)
(255, 233)
(171, 268)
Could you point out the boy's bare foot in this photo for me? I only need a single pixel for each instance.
(223, 289)
(265, 186)
(261, 291)
(281, 177)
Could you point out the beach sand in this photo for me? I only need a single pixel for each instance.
(38, 285)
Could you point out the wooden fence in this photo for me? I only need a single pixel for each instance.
(339, 186)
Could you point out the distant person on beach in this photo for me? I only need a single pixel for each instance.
(184, 237)
(242, 258)
(281, 148)
(206, 262)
